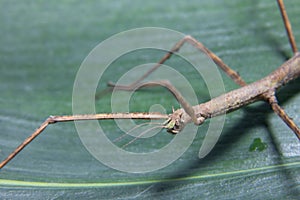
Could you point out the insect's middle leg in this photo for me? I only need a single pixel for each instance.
(186, 106)
(192, 41)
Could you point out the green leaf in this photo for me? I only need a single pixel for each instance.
(258, 145)
(42, 46)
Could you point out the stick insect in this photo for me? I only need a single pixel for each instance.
(261, 90)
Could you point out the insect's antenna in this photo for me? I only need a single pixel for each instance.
(288, 26)
(135, 127)
(141, 134)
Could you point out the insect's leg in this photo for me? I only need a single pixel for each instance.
(272, 98)
(287, 25)
(67, 118)
(192, 41)
(229, 72)
(133, 85)
(283, 115)
(185, 105)
(26, 142)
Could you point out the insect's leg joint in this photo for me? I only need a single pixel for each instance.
(51, 119)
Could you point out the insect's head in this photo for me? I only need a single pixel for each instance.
(173, 124)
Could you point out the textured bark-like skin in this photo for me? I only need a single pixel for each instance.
(260, 90)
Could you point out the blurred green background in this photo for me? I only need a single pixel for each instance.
(42, 46)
